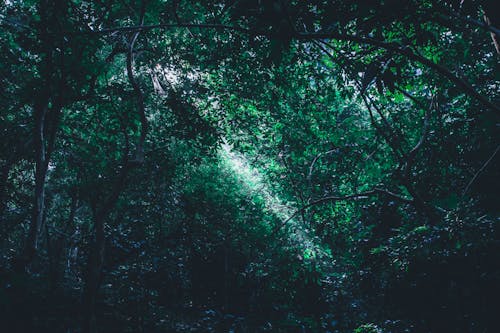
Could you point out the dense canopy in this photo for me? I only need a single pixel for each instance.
(249, 166)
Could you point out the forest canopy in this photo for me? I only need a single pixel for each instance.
(249, 166)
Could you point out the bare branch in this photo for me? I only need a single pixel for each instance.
(476, 175)
(311, 167)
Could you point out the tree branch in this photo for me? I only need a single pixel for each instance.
(362, 195)
(476, 175)
(403, 50)
(311, 167)
(144, 28)
(425, 130)
(390, 46)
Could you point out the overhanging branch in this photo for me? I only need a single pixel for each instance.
(362, 195)
(394, 47)
(144, 28)
(402, 50)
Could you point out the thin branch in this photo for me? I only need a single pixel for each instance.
(483, 25)
(144, 28)
(476, 175)
(362, 195)
(494, 35)
(425, 131)
(311, 167)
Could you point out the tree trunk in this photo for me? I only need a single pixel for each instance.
(46, 122)
(93, 278)
(31, 245)
(96, 257)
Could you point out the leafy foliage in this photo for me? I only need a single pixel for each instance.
(249, 166)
